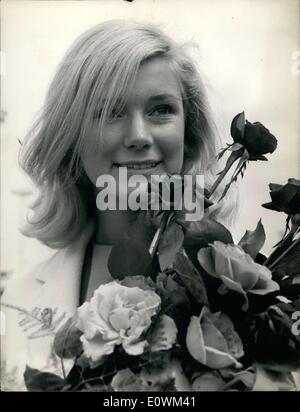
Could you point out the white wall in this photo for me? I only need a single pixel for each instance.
(246, 53)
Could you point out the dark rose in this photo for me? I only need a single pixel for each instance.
(254, 137)
(277, 337)
(285, 198)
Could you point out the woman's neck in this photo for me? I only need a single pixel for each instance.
(111, 224)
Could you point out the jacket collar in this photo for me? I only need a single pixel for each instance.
(59, 277)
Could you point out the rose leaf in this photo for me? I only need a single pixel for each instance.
(129, 257)
(67, 344)
(191, 278)
(200, 234)
(171, 242)
(289, 264)
(253, 241)
(37, 381)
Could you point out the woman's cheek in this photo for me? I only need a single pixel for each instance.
(95, 164)
(172, 148)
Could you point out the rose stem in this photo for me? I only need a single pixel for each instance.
(232, 158)
(272, 254)
(63, 368)
(158, 233)
(284, 253)
(234, 176)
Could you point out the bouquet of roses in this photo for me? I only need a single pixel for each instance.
(189, 309)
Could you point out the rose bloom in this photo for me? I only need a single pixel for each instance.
(116, 315)
(285, 198)
(237, 270)
(255, 137)
(212, 340)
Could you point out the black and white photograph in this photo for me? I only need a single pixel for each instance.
(150, 197)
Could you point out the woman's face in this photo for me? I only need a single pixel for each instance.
(147, 136)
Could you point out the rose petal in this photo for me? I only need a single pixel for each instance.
(195, 341)
(271, 286)
(164, 334)
(91, 324)
(206, 261)
(136, 348)
(212, 336)
(96, 348)
(245, 272)
(216, 359)
(232, 285)
(265, 284)
(221, 254)
(181, 381)
(284, 195)
(119, 319)
(223, 265)
(237, 128)
(104, 299)
(225, 326)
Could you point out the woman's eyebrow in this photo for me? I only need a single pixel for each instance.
(152, 99)
(165, 96)
(101, 102)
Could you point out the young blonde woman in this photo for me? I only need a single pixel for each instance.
(125, 95)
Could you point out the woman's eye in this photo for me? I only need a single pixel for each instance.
(162, 110)
(116, 114)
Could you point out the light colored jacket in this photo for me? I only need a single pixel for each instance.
(35, 305)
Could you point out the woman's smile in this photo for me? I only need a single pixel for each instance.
(146, 164)
(140, 167)
(145, 136)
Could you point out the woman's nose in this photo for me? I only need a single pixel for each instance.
(137, 135)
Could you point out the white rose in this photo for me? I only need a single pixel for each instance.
(116, 315)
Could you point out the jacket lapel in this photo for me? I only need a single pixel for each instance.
(60, 277)
(54, 300)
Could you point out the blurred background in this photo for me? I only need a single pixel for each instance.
(250, 57)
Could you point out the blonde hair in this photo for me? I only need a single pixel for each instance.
(102, 65)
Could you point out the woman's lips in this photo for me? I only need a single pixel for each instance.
(139, 166)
